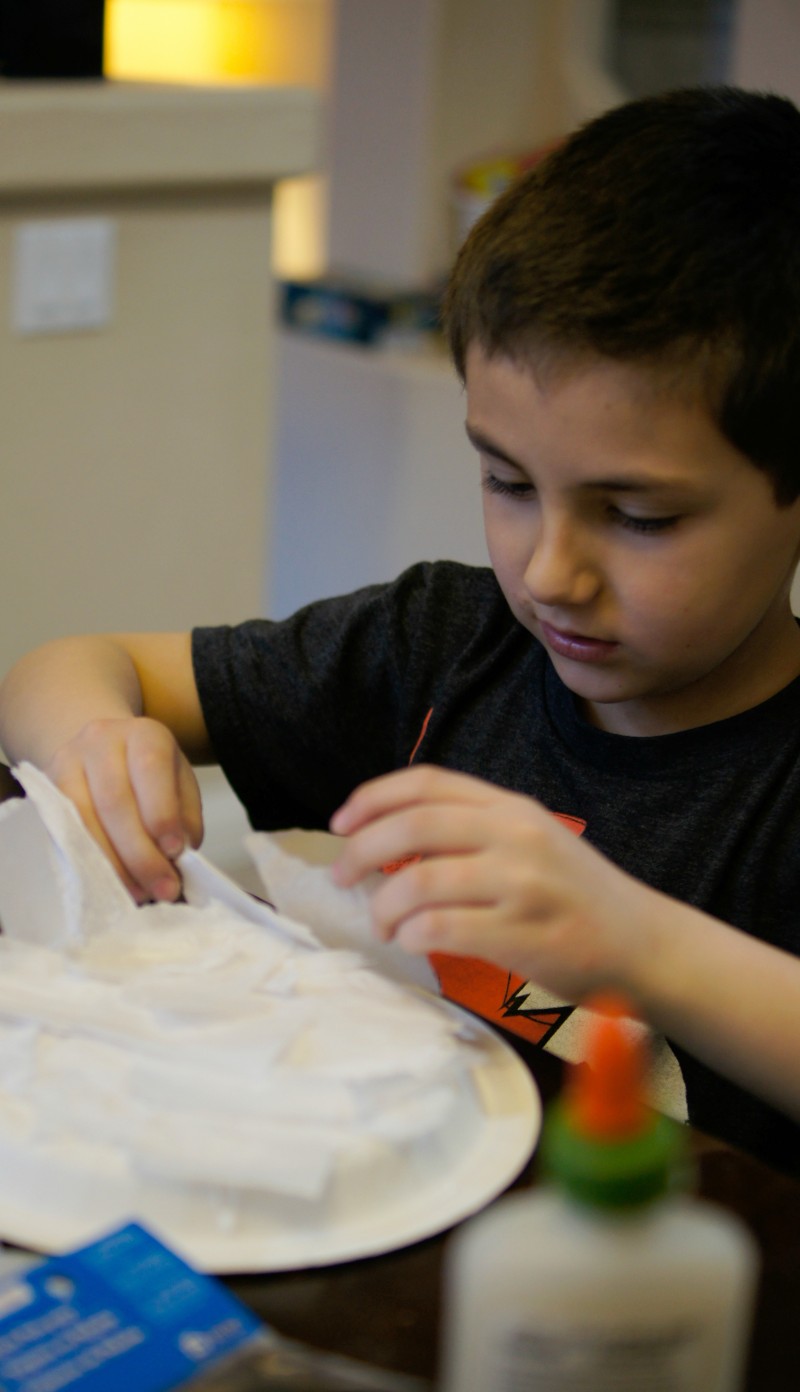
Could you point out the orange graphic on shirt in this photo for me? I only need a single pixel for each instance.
(498, 995)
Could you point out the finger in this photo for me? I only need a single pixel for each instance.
(478, 931)
(453, 906)
(461, 930)
(74, 786)
(154, 767)
(455, 882)
(392, 791)
(116, 809)
(191, 803)
(421, 830)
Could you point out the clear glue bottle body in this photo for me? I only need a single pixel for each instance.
(606, 1278)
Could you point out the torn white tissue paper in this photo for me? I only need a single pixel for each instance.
(82, 891)
(206, 1064)
(338, 917)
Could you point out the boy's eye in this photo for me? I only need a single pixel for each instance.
(493, 484)
(642, 524)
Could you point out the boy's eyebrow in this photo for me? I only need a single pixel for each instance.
(484, 445)
(619, 483)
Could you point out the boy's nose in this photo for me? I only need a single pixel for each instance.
(560, 569)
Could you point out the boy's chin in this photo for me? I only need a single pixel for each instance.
(606, 704)
(593, 683)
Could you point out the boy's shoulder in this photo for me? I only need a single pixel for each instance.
(440, 597)
(451, 603)
(443, 578)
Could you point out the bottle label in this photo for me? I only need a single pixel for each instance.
(601, 1360)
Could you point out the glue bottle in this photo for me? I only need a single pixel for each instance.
(608, 1277)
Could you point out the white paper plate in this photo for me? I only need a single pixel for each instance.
(498, 1149)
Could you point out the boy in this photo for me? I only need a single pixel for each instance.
(625, 320)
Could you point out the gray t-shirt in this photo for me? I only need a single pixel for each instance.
(301, 711)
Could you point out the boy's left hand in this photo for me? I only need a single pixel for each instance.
(493, 874)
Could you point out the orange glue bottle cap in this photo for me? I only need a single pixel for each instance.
(601, 1141)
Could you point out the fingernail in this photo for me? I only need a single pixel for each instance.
(167, 889)
(171, 845)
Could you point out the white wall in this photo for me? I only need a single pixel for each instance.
(766, 57)
(766, 46)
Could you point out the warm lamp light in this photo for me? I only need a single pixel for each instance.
(197, 40)
(162, 39)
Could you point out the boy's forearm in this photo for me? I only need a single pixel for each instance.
(50, 695)
(728, 998)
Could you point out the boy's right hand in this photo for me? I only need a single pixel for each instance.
(138, 796)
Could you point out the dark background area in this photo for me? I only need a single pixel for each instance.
(51, 38)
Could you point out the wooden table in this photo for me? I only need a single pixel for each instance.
(386, 1310)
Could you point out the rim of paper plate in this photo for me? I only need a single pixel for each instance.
(495, 1155)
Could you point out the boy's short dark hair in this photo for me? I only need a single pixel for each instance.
(665, 233)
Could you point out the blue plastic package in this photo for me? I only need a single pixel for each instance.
(127, 1312)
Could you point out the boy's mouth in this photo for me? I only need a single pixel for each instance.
(578, 646)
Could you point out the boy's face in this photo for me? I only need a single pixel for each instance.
(644, 551)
